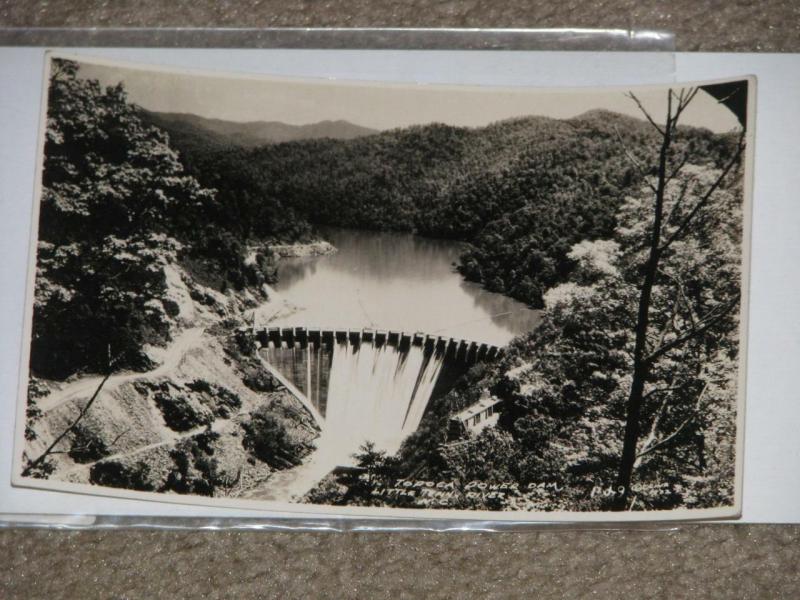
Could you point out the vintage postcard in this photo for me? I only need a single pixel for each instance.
(388, 300)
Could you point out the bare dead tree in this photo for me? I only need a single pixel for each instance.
(660, 240)
(51, 449)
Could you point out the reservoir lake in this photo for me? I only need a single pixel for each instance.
(399, 282)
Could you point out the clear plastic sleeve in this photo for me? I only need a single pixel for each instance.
(660, 64)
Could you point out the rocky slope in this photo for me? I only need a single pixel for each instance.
(208, 420)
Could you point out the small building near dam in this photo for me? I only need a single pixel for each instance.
(476, 417)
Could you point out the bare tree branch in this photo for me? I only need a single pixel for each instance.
(50, 449)
(647, 114)
(674, 434)
(684, 299)
(702, 325)
(633, 160)
(82, 413)
(666, 440)
(677, 169)
(116, 439)
(659, 241)
(641, 367)
(706, 197)
(678, 202)
(651, 436)
(685, 99)
(692, 316)
(670, 322)
(83, 448)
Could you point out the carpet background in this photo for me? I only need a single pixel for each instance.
(695, 561)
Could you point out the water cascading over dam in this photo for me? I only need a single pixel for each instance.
(366, 385)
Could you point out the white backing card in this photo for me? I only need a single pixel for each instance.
(772, 448)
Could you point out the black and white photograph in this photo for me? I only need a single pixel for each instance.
(380, 299)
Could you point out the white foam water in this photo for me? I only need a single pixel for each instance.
(378, 394)
(375, 394)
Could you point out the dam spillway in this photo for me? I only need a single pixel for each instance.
(367, 385)
(452, 348)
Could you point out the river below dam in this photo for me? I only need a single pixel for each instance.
(366, 392)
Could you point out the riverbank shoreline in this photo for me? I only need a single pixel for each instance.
(393, 281)
(318, 248)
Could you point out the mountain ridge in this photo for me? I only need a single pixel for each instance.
(251, 134)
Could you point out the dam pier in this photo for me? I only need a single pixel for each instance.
(459, 350)
(365, 384)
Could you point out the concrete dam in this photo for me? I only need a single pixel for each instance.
(365, 385)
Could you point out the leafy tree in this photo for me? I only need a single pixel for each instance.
(114, 202)
(87, 446)
(117, 474)
(493, 455)
(268, 438)
(182, 412)
(682, 204)
(374, 469)
(567, 386)
(195, 469)
(571, 409)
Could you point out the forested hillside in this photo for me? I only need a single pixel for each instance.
(117, 210)
(625, 396)
(565, 386)
(137, 271)
(258, 133)
(521, 192)
(629, 233)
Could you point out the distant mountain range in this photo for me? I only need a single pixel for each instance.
(255, 133)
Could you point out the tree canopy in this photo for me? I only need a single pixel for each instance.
(520, 192)
(116, 208)
(628, 232)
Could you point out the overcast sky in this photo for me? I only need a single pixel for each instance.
(379, 106)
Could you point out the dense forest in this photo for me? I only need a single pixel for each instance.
(564, 386)
(624, 398)
(117, 207)
(627, 233)
(520, 192)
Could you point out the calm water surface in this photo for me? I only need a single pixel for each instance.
(399, 282)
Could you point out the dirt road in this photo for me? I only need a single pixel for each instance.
(86, 386)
